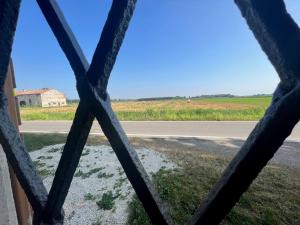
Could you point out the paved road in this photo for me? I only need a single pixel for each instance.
(204, 129)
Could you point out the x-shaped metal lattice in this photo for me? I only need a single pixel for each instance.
(279, 37)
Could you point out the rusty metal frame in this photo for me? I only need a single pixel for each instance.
(276, 32)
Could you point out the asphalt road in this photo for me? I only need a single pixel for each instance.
(201, 129)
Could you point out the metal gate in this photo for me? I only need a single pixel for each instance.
(274, 29)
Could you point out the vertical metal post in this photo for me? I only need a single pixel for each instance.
(21, 202)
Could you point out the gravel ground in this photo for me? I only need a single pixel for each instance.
(101, 160)
(99, 172)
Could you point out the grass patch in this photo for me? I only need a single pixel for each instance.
(79, 173)
(37, 141)
(193, 115)
(45, 172)
(89, 197)
(238, 108)
(39, 163)
(105, 175)
(98, 222)
(107, 201)
(120, 182)
(53, 150)
(83, 175)
(86, 152)
(273, 198)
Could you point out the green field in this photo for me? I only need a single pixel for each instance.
(236, 108)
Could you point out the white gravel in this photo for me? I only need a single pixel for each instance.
(80, 211)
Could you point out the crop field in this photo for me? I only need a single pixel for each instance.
(218, 109)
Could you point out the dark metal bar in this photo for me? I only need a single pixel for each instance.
(277, 34)
(259, 148)
(83, 92)
(60, 186)
(110, 42)
(98, 74)
(279, 37)
(126, 155)
(69, 161)
(20, 161)
(64, 36)
(15, 150)
(9, 11)
(83, 119)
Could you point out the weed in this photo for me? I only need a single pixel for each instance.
(79, 173)
(120, 171)
(53, 150)
(85, 153)
(41, 157)
(120, 182)
(98, 222)
(89, 196)
(83, 175)
(45, 172)
(107, 201)
(104, 175)
(38, 164)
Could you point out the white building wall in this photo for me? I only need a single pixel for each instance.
(29, 100)
(53, 98)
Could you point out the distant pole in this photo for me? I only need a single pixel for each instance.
(22, 205)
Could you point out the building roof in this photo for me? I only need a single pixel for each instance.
(32, 92)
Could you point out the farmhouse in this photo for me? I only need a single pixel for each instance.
(44, 97)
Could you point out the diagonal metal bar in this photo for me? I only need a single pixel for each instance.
(68, 163)
(64, 35)
(277, 33)
(279, 37)
(14, 148)
(83, 120)
(9, 11)
(127, 156)
(259, 148)
(110, 42)
(20, 161)
(157, 210)
(98, 75)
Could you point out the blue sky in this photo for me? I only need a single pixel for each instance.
(172, 47)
